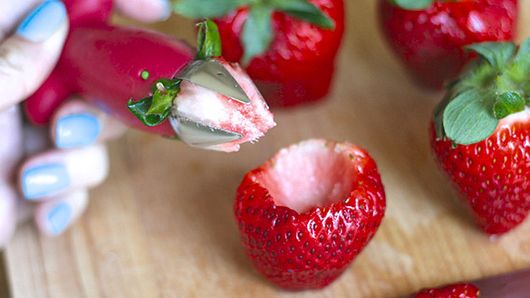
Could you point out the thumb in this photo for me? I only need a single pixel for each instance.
(8, 215)
(27, 57)
(10, 155)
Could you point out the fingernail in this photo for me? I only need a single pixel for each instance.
(77, 130)
(43, 181)
(167, 9)
(59, 218)
(43, 21)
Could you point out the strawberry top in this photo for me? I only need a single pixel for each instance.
(494, 87)
(279, 30)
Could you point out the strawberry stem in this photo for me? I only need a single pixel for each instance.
(209, 40)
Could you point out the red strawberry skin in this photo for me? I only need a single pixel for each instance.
(453, 291)
(298, 68)
(312, 249)
(430, 42)
(492, 175)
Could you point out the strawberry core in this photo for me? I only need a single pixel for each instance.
(314, 173)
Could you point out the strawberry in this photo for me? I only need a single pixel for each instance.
(309, 211)
(429, 36)
(452, 291)
(481, 135)
(288, 46)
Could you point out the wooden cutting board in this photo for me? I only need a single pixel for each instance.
(162, 224)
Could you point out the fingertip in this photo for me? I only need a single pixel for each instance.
(54, 217)
(8, 216)
(77, 124)
(57, 172)
(24, 65)
(145, 10)
(41, 23)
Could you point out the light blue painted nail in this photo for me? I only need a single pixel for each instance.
(168, 9)
(43, 21)
(77, 130)
(44, 180)
(59, 218)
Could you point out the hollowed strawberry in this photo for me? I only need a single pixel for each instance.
(309, 211)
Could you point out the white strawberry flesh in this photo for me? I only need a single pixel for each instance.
(210, 108)
(314, 173)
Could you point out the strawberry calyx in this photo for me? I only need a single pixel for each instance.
(153, 110)
(257, 34)
(413, 4)
(493, 87)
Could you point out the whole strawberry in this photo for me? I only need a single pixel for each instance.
(309, 211)
(452, 291)
(288, 46)
(430, 35)
(481, 135)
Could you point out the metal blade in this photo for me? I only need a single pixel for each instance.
(199, 135)
(510, 285)
(212, 75)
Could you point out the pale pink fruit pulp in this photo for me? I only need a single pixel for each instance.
(205, 106)
(314, 173)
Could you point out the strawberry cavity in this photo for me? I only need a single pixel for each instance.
(308, 176)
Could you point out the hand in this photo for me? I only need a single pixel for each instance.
(59, 167)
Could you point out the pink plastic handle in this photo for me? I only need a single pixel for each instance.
(104, 64)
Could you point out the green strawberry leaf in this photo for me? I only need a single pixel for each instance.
(491, 89)
(413, 4)
(438, 116)
(498, 54)
(304, 10)
(209, 40)
(163, 97)
(140, 108)
(257, 32)
(519, 71)
(508, 103)
(155, 109)
(467, 119)
(197, 9)
(523, 55)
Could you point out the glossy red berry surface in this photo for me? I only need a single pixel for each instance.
(311, 246)
(430, 42)
(452, 291)
(492, 175)
(299, 65)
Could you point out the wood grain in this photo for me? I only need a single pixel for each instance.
(162, 225)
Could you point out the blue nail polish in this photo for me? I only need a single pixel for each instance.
(44, 181)
(43, 21)
(58, 218)
(168, 10)
(76, 130)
